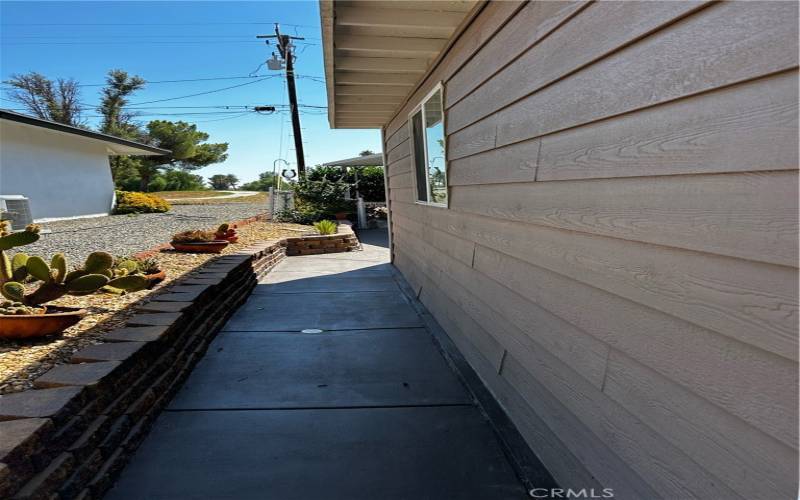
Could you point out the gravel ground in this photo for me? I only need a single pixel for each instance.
(21, 361)
(127, 234)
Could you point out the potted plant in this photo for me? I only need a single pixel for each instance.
(197, 241)
(24, 313)
(151, 269)
(227, 232)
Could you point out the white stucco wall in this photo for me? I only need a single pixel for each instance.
(64, 175)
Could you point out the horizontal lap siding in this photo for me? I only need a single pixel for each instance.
(619, 258)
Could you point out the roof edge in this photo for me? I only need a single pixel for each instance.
(373, 160)
(69, 129)
(326, 22)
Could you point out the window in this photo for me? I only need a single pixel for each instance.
(430, 162)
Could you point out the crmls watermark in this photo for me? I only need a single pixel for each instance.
(570, 493)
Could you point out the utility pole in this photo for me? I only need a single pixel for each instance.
(285, 48)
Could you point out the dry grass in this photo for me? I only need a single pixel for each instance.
(23, 361)
(256, 198)
(175, 195)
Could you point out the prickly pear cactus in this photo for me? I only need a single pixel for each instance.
(14, 270)
(56, 282)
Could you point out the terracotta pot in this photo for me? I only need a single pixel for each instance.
(341, 215)
(215, 246)
(54, 320)
(155, 278)
(229, 239)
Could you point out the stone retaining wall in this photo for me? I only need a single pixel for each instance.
(343, 241)
(71, 435)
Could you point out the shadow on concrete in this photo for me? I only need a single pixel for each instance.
(376, 237)
(325, 384)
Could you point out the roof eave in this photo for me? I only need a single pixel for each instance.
(110, 140)
(326, 20)
(377, 54)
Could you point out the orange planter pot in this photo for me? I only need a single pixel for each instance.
(215, 246)
(55, 320)
(155, 278)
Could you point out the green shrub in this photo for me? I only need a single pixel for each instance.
(326, 196)
(370, 180)
(301, 215)
(131, 202)
(326, 227)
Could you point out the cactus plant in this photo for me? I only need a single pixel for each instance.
(55, 280)
(227, 232)
(133, 268)
(13, 269)
(196, 236)
(9, 307)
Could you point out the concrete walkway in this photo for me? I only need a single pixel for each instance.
(366, 408)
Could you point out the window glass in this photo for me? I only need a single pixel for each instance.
(434, 140)
(419, 156)
(430, 152)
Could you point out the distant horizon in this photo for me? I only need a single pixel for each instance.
(213, 45)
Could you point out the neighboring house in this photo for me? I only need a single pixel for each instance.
(63, 170)
(375, 160)
(611, 235)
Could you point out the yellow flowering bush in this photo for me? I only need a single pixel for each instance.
(132, 202)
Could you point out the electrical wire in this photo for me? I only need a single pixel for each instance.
(183, 80)
(162, 24)
(140, 42)
(204, 93)
(116, 36)
(227, 118)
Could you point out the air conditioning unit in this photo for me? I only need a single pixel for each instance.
(17, 209)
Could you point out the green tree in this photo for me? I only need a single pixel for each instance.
(264, 182)
(232, 181)
(219, 182)
(117, 121)
(189, 152)
(57, 101)
(368, 181)
(366, 152)
(125, 171)
(181, 180)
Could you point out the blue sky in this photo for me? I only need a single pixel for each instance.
(187, 40)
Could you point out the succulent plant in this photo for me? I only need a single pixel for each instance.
(148, 265)
(195, 236)
(326, 227)
(55, 280)
(11, 308)
(14, 269)
(225, 231)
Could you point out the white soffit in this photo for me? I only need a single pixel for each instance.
(376, 53)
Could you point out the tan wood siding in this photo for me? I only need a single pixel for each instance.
(619, 259)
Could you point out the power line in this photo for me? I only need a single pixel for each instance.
(138, 42)
(229, 107)
(116, 36)
(228, 118)
(203, 93)
(185, 80)
(160, 24)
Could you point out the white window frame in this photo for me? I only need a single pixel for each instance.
(421, 109)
